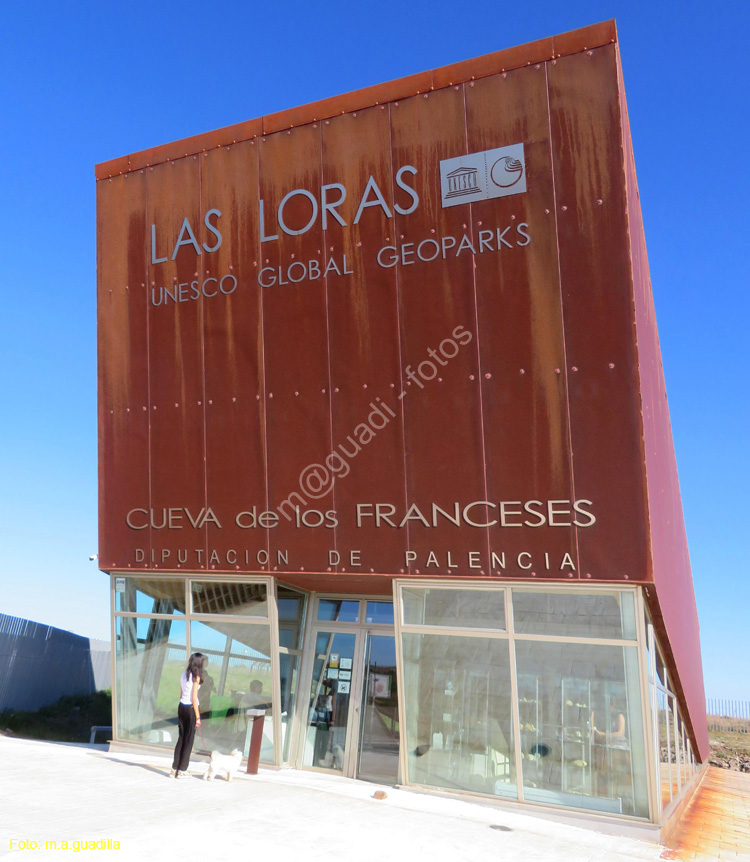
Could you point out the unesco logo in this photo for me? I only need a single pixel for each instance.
(506, 172)
(482, 176)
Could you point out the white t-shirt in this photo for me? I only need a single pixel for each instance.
(186, 683)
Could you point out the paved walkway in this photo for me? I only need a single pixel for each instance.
(54, 792)
(717, 823)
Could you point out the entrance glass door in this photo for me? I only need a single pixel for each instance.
(351, 725)
(379, 731)
(328, 732)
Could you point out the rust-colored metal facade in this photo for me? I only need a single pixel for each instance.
(212, 408)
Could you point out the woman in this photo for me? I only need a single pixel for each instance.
(188, 713)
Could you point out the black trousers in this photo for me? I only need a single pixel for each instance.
(186, 722)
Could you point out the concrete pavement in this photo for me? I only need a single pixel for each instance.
(55, 792)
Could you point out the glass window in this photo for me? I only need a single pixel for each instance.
(674, 747)
(291, 608)
(379, 612)
(665, 779)
(573, 613)
(238, 599)
(150, 596)
(473, 609)
(580, 716)
(289, 673)
(150, 656)
(661, 671)
(238, 678)
(458, 713)
(335, 610)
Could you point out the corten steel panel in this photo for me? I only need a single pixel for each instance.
(598, 314)
(442, 415)
(195, 144)
(364, 344)
(175, 351)
(355, 101)
(123, 367)
(233, 357)
(516, 57)
(525, 411)
(295, 337)
(672, 598)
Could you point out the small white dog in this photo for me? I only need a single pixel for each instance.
(228, 763)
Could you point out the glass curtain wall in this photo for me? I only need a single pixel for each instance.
(457, 687)
(523, 693)
(673, 750)
(158, 623)
(291, 606)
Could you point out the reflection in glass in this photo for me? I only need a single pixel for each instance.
(150, 656)
(458, 713)
(328, 712)
(238, 678)
(572, 613)
(379, 730)
(291, 606)
(339, 611)
(474, 609)
(215, 597)
(291, 610)
(582, 740)
(674, 747)
(289, 673)
(665, 779)
(151, 596)
(379, 612)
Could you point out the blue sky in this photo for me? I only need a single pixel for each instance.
(84, 82)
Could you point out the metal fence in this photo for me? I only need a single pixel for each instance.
(730, 715)
(39, 664)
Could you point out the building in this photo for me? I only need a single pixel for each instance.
(383, 432)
